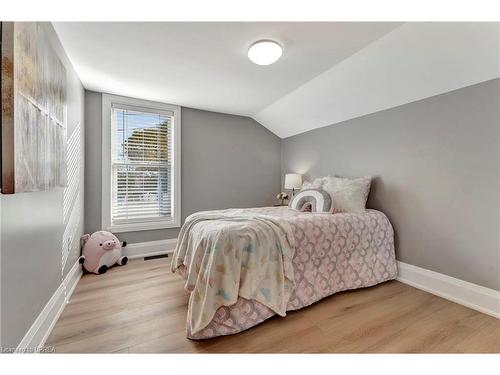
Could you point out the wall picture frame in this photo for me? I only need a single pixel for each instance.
(34, 110)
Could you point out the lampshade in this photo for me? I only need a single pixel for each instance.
(293, 181)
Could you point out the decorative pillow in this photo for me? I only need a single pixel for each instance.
(317, 183)
(313, 200)
(349, 195)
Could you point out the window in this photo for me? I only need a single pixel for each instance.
(141, 165)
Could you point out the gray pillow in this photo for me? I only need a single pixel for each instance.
(317, 199)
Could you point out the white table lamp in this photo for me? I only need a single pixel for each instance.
(293, 181)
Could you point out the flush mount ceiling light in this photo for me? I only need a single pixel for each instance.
(264, 52)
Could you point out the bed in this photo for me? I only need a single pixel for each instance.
(332, 253)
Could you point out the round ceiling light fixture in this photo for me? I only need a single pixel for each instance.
(264, 52)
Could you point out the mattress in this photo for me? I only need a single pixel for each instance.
(333, 253)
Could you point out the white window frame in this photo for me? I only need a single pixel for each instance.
(108, 101)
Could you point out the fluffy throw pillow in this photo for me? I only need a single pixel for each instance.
(317, 183)
(313, 200)
(349, 195)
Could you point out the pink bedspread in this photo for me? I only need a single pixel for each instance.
(333, 253)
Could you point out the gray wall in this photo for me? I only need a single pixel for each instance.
(227, 161)
(31, 235)
(437, 169)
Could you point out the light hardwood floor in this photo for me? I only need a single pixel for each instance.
(141, 308)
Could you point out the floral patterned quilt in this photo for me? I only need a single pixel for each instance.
(333, 253)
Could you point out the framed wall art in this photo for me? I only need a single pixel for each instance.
(33, 101)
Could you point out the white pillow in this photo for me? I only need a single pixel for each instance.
(317, 183)
(349, 195)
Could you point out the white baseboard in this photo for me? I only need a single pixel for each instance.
(35, 338)
(146, 249)
(471, 295)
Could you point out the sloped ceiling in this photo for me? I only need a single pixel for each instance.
(413, 62)
(329, 72)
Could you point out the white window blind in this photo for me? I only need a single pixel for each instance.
(141, 164)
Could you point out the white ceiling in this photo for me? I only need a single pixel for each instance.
(329, 72)
(205, 65)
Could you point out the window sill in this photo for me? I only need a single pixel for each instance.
(136, 227)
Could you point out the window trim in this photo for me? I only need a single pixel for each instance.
(106, 221)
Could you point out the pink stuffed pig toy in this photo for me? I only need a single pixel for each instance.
(100, 251)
